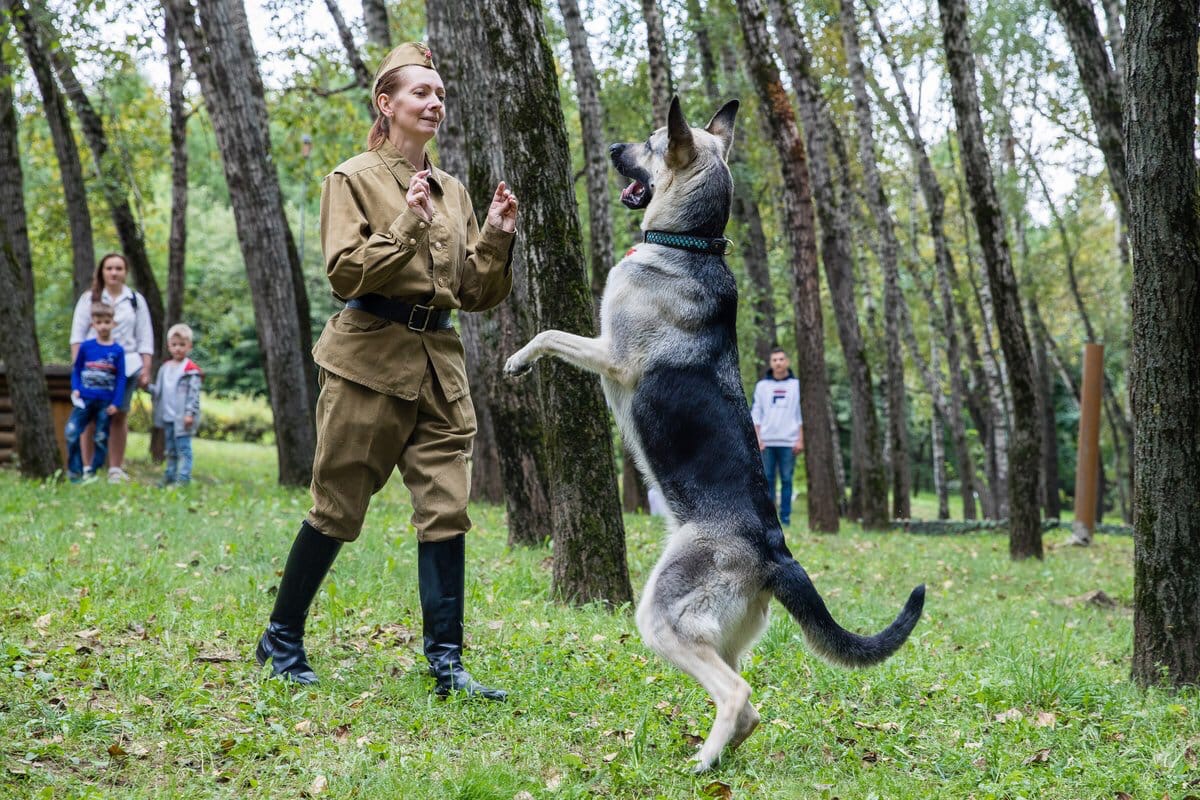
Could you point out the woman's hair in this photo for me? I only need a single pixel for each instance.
(389, 83)
(98, 276)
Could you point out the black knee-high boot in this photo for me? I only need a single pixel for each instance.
(283, 642)
(440, 576)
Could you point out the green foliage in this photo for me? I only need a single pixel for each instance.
(132, 612)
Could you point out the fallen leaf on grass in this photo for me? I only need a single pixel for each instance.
(1040, 757)
(215, 658)
(319, 784)
(693, 739)
(116, 751)
(1122, 796)
(43, 622)
(1096, 597)
(1010, 715)
(341, 733)
(722, 791)
(522, 795)
(1046, 719)
(90, 633)
(610, 757)
(304, 726)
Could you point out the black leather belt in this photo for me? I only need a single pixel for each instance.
(417, 317)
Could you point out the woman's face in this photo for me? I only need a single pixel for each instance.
(114, 272)
(419, 106)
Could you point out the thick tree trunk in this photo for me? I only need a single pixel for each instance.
(113, 184)
(589, 534)
(470, 147)
(595, 148)
(36, 446)
(1102, 88)
(177, 241)
(658, 60)
(800, 224)
(947, 277)
(1160, 80)
(1051, 504)
(217, 36)
(487, 483)
(1025, 535)
(901, 470)
(868, 476)
(379, 30)
(79, 217)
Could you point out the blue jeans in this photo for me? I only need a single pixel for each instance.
(780, 460)
(80, 418)
(179, 456)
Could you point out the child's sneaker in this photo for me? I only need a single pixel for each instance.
(89, 475)
(117, 475)
(74, 478)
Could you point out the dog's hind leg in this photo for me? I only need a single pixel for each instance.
(736, 718)
(580, 351)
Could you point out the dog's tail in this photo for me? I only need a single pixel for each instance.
(833, 643)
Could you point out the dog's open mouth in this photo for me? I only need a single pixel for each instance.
(636, 195)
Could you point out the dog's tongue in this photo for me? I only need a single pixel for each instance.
(632, 190)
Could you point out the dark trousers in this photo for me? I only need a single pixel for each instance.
(780, 461)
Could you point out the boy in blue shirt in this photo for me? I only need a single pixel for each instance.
(97, 380)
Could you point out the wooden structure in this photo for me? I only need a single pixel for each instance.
(58, 381)
(1087, 468)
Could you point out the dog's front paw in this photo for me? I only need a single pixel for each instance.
(517, 365)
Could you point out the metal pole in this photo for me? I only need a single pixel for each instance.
(1087, 468)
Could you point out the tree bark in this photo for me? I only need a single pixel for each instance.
(868, 475)
(658, 60)
(1160, 80)
(901, 470)
(1102, 88)
(37, 449)
(1025, 534)
(379, 30)
(362, 74)
(800, 224)
(589, 535)
(516, 409)
(177, 240)
(947, 276)
(217, 36)
(595, 149)
(113, 184)
(79, 217)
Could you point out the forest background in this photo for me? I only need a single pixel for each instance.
(1057, 197)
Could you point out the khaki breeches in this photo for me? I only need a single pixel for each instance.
(363, 435)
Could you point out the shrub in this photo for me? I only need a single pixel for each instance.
(237, 418)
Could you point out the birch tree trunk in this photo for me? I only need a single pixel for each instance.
(888, 254)
(868, 476)
(177, 240)
(947, 276)
(470, 147)
(36, 446)
(79, 217)
(800, 224)
(217, 36)
(659, 61)
(1160, 76)
(1025, 534)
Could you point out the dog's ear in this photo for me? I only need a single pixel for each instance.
(681, 149)
(721, 125)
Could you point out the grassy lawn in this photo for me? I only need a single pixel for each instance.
(129, 616)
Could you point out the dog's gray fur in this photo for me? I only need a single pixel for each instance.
(667, 359)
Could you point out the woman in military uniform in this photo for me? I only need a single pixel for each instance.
(403, 249)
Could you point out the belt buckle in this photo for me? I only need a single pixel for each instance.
(424, 326)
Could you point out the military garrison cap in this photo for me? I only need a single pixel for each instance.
(406, 55)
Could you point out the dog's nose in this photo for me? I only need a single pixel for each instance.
(615, 149)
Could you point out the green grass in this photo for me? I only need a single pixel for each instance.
(129, 615)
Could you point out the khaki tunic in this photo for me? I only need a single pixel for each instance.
(391, 396)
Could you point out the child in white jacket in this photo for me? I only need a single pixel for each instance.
(176, 391)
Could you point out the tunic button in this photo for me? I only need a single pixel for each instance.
(441, 281)
(412, 241)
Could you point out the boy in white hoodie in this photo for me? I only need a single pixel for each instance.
(176, 391)
(778, 425)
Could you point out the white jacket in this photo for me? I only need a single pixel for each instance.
(776, 410)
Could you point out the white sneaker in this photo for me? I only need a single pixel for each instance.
(117, 475)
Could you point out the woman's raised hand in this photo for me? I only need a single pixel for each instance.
(502, 213)
(418, 195)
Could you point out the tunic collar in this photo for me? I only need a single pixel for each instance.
(403, 170)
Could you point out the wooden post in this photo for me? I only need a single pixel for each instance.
(1087, 465)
